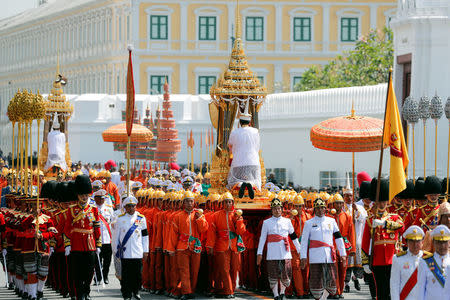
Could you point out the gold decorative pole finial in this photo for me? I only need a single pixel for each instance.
(238, 21)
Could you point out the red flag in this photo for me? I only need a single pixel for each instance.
(130, 94)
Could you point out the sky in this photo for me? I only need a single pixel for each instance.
(13, 7)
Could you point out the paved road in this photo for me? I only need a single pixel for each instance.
(112, 291)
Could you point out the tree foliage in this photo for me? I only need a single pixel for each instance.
(367, 64)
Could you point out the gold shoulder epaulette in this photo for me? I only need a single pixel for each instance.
(121, 215)
(427, 255)
(401, 253)
(141, 215)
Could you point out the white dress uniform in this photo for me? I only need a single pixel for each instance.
(321, 229)
(360, 220)
(137, 244)
(428, 287)
(108, 213)
(277, 250)
(403, 266)
(447, 285)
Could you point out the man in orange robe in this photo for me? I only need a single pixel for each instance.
(225, 243)
(184, 239)
(157, 243)
(112, 189)
(347, 230)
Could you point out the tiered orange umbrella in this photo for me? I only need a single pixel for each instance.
(348, 134)
(118, 133)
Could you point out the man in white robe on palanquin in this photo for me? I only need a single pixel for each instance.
(245, 169)
(56, 147)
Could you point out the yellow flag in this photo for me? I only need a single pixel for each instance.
(394, 138)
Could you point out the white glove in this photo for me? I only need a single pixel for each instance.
(4, 252)
(378, 222)
(51, 251)
(367, 269)
(67, 251)
(99, 250)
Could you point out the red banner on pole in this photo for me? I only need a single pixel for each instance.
(130, 94)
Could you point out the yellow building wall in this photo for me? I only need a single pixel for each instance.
(266, 61)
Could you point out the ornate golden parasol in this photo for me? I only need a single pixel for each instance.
(348, 134)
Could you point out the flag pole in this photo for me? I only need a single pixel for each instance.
(129, 112)
(380, 164)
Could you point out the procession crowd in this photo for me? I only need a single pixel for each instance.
(173, 235)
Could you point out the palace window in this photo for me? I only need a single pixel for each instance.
(302, 29)
(254, 29)
(349, 29)
(295, 80)
(205, 83)
(207, 28)
(158, 27)
(261, 79)
(157, 84)
(328, 178)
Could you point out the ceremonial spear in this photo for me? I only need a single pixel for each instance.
(410, 113)
(424, 113)
(436, 112)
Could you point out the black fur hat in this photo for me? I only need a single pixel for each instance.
(83, 185)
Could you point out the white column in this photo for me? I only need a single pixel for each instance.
(373, 16)
(183, 77)
(278, 76)
(326, 27)
(278, 26)
(183, 25)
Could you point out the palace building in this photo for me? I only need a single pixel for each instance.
(189, 42)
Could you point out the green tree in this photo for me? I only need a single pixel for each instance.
(367, 64)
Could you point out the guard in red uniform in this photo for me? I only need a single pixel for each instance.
(427, 216)
(380, 238)
(82, 238)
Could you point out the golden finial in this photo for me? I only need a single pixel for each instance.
(238, 21)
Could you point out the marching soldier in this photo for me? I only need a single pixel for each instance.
(380, 238)
(405, 266)
(131, 244)
(317, 246)
(347, 230)
(431, 275)
(278, 231)
(82, 238)
(105, 214)
(427, 216)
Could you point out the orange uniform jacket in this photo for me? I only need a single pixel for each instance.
(222, 223)
(347, 229)
(112, 189)
(185, 225)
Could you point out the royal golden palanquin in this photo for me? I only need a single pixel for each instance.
(237, 88)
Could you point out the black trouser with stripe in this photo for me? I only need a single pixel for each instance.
(382, 276)
(131, 276)
(82, 268)
(105, 259)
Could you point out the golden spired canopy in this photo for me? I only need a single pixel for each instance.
(238, 82)
(237, 89)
